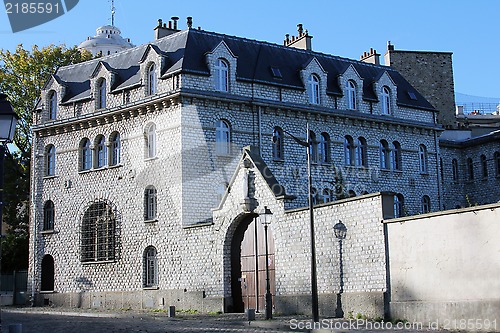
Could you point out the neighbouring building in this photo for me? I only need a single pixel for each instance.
(150, 167)
(107, 40)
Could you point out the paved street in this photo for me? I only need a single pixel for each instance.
(53, 320)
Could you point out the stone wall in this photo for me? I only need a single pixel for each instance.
(443, 267)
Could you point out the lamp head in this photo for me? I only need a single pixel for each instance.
(8, 120)
(265, 216)
(340, 230)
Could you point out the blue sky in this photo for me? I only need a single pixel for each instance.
(469, 29)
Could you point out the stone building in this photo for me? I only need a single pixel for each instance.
(151, 165)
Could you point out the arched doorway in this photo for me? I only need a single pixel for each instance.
(248, 270)
(47, 273)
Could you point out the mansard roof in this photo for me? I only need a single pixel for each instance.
(185, 52)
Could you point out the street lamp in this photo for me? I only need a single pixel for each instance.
(340, 231)
(265, 218)
(314, 279)
(8, 122)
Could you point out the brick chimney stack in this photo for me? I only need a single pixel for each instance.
(371, 57)
(162, 30)
(302, 41)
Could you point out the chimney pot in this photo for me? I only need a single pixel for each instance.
(389, 46)
(170, 24)
(189, 22)
(160, 22)
(300, 29)
(175, 19)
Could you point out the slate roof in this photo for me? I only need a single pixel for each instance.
(185, 52)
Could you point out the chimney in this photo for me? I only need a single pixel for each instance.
(302, 41)
(387, 56)
(371, 57)
(162, 30)
(189, 22)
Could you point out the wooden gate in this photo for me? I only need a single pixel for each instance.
(253, 266)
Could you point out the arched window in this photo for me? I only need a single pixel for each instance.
(150, 203)
(386, 100)
(361, 152)
(422, 159)
(48, 215)
(47, 276)
(398, 205)
(98, 233)
(324, 148)
(222, 137)
(50, 160)
(52, 105)
(470, 169)
(150, 274)
(351, 95)
(496, 158)
(484, 166)
(349, 151)
(396, 156)
(101, 94)
(454, 169)
(385, 155)
(150, 138)
(313, 89)
(313, 147)
(115, 149)
(278, 140)
(426, 204)
(85, 155)
(221, 75)
(100, 152)
(327, 195)
(151, 80)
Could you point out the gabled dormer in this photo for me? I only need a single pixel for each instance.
(152, 67)
(102, 81)
(53, 93)
(386, 91)
(314, 78)
(222, 64)
(351, 83)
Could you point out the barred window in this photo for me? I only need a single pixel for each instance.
(98, 233)
(48, 215)
(150, 203)
(150, 273)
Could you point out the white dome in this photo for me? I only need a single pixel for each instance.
(107, 40)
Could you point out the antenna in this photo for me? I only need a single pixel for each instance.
(113, 12)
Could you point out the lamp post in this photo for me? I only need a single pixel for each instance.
(340, 231)
(265, 219)
(314, 279)
(8, 122)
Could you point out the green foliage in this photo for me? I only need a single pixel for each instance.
(360, 316)
(23, 74)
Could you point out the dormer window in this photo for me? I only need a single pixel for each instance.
(221, 75)
(52, 105)
(351, 95)
(313, 89)
(101, 94)
(386, 100)
(151, 89)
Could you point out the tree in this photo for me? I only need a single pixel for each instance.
(23, 74)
